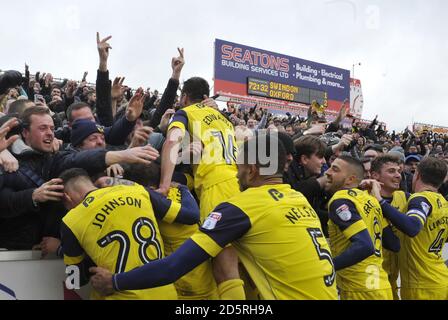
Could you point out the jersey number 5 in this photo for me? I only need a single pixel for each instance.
(125, 244)
(323, 254)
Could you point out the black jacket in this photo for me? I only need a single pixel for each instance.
(23, 225)
(310, 188)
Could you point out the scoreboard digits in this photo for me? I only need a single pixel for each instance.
(275, 90)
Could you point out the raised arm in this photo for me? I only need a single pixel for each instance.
(103, 85)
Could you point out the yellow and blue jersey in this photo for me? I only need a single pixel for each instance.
(117, 229)
(199, 283)
(217, 135)
(279, 240)
(420, 258)
(350, 212)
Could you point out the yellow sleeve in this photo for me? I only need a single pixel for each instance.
(206, 243)
(172, 212)
(355, 228)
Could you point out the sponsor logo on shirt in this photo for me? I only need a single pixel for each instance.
(212, 220)
(426, 208)
(343, 212)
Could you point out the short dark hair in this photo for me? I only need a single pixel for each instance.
(355, 164)
(73, 107)
(287, 142)
(18, 107)
(260, 145)
(380, 161)
(145, 175)
(73, 173)
(196, 88)
(26, 116)
(374, 147)
(309, 145)
(432, 171)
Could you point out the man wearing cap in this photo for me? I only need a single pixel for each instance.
(411, 162)
(87, 135)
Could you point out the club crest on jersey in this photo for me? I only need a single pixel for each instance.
(212, 220)
(344, 213)
(426, 208)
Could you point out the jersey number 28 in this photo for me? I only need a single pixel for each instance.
(124, 243)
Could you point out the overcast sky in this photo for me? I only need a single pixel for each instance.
(401, 45)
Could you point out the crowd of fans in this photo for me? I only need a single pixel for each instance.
(102, 128)
(110, 116)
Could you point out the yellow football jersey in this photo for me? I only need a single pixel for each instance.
(279, 240)
(420, 258)
(367, 275)
(198, 283)
(117, 229)
(217, 135)
(390, 259)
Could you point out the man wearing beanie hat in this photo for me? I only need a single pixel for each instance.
(87, 135)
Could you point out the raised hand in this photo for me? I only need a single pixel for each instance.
(135, 107)
(71, 88)
(103, 51)
(141, 136)
(177, 64)
(164, 122)
(118, 89)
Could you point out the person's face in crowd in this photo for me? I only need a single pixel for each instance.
(242, 122)
(429, 146)
(183, 100)
(413, 149)
(40, 134)
(360, 141)
(367, 166)
(56, 92)
(337, 176)
(411, 166)
(363, 126)
(389, 176)
(91, 98)
(36, 88)
(83, 113)
(371, 154)
(383, 139)
(13, 93)
(251, 123)
(303, 126)
(85, 90)
(439, 149)
(94, 141)
(289, 131)
(313, 164)
(385, 149)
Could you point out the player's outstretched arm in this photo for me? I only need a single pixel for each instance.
(410, 223)
(187, 212)
(407, 224)
(361, 248)
(390, 240)
(154, 274)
